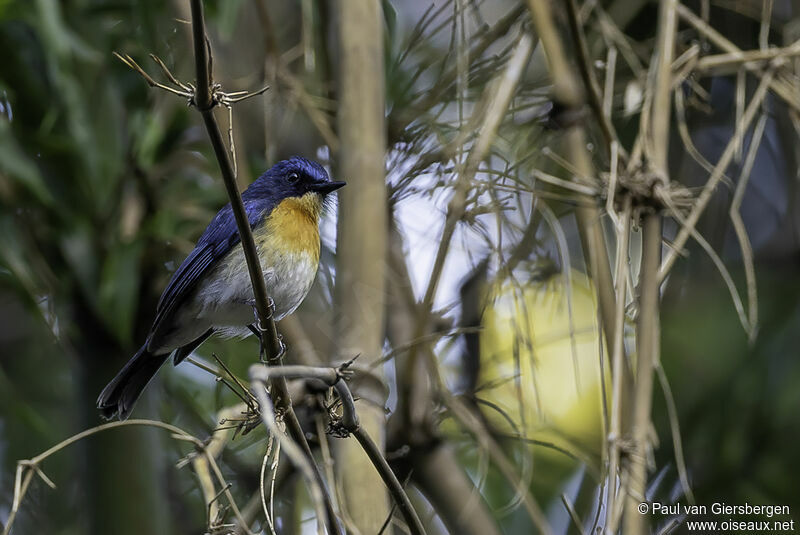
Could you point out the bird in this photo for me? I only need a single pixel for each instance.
(211, 293)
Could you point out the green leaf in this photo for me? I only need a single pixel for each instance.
(390, 17)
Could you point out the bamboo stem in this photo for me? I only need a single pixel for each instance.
(360, 250)
(648, 329)
(648, 354)
(618, 360)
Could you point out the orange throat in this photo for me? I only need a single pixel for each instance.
(293, 227)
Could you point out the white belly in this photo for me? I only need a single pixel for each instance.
(224, 298)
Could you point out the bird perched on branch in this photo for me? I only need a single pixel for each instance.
(211, 292)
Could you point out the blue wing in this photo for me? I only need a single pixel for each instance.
(219, 238)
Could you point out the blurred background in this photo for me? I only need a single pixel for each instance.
(105, 184)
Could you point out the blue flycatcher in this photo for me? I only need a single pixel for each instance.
(211, 293)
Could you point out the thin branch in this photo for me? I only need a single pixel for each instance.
(205, 103)
(202, 65)
(573, 514)
(475, 427)
(293, 451)
(266, 324)
(457, 500)
(719, 63)
(26, 469)
(677, 444)
(202, 463)
(648, 338)
(590, 83)
(618, 386)
(718, 263)
(268, 511)
(497, 104)
(739, 226)
(781, 88)
(648, 348)
(716, 176)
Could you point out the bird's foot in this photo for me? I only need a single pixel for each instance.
(281, 348)
(270, 306)
(258, 331)
(281, 351)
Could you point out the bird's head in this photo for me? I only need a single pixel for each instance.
(295, 177)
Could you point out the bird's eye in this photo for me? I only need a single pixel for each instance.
(293, 177)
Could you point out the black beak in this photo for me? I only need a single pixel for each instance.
(326, 187)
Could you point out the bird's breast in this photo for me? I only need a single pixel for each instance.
(288, 248)
(292, 227)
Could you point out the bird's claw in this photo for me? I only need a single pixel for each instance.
(270, 307)
(281, 348)
(258, 329)
(264, 358)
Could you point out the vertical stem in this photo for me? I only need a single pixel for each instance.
(649, 329)
(662, 92)
(205, 103)
(566, 90)
(361, 248)
(648, 353)
(202, 93)
(618, 361)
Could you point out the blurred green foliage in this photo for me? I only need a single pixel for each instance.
(90, 179)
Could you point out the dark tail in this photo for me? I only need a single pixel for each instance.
(119, 396)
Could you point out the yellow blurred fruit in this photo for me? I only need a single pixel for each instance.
(541, 363)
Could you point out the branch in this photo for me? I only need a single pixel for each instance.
(618, 360)
(203, 99)
(438, 474)
(717, 174)
(294, 452)
(713, 64)
(780, 87)
(334, 377)
(648, 335)
(648, 349)
(587, 75)
(27, 468)
(497, 106)
(392, 483)
(202, 463)
(472, 423)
